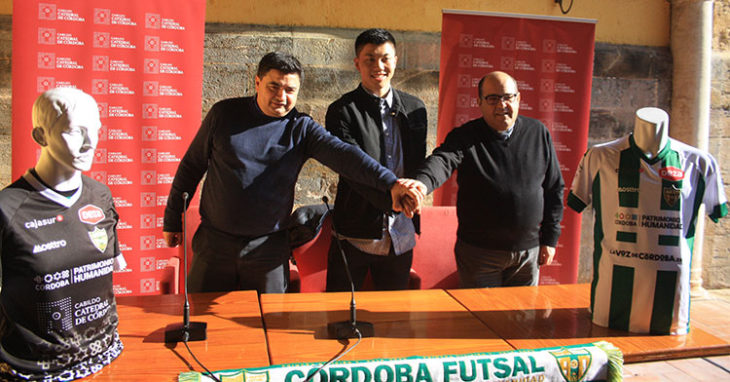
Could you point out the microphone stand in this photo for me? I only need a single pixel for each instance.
(188, 331)
(347, 329)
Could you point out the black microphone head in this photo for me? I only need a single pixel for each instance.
(325, 199)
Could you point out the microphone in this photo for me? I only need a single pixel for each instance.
(188, 331)
(347, 329)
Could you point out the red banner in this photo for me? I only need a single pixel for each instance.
(142, 60)
(552, 61)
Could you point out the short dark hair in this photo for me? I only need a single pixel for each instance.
(283, 62)
(376, 36)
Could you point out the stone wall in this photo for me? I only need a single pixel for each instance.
(625, 79)
(716, 253)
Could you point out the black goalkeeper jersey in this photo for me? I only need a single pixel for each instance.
(58, 317)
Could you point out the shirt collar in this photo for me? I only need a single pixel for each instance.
(388, 97)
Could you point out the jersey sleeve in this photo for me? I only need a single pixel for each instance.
(714, 199)
(581, 195)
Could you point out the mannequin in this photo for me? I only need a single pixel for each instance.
(645, 190)
(651, 130)
(58, 318)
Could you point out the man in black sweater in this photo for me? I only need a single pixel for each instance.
(390, 126)
(510, 198)
(252, 149)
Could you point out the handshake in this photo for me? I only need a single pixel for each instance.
(408, 195)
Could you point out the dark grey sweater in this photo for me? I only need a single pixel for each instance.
(510, 191)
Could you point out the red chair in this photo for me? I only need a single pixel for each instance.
(311, 259)
(433, 257)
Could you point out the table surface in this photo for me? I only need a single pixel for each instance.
(556, 315)
(406, 323)
(235, 334)
(246, 330)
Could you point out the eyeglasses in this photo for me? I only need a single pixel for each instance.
(493, 99)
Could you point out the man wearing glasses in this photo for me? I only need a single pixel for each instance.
(510, 198)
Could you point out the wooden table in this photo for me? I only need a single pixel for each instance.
(555, 315)
(235, 332)
(407, 323)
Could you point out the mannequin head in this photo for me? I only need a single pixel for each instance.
(66, 125)
(651, 130)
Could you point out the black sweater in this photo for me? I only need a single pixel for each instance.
(510, 191)
(252, 163)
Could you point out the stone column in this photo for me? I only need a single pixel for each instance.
(691, 44)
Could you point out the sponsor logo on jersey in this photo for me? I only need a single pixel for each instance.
(91, 214)
(56, 244)
(99, 238)
(671, 173)
(670, 194)
(573, 363)
(38, 223)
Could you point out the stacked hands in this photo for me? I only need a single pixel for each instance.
(408, 195)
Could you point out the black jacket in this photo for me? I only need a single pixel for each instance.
(355, 118)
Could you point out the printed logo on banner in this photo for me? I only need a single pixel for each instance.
(149, 155)
(146, 264)
(152, 43)
(149, 110)
(466, 40)
(103, 133)
(152, 21)
(102, 16)
(151, 66)
(149, 177)
(147, 285)
(508, 43)
(147, 199)
(463, 100)
(103, 109)
(46, 60)
(102, 40)
(147, 243)
(549, 45)
(547, 85)
(46, 83)
(507, 63)
(46, 11)
(47, 36)
(546, 105)
(100, 156)
(465, 60)
(548, 66)
(99, 176)
(99, 86)
(151, 88)
(460, 119)
(464, 81)
(147, 221)
(149, 133)
(100, 63)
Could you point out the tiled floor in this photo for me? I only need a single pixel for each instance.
(710, 313)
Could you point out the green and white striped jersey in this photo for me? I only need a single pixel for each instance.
(645, 215)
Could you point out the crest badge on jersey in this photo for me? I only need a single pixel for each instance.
(671, 195)
(573, 363)
(99, 238)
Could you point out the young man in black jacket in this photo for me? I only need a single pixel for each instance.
(390, 126)
(510, 198)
